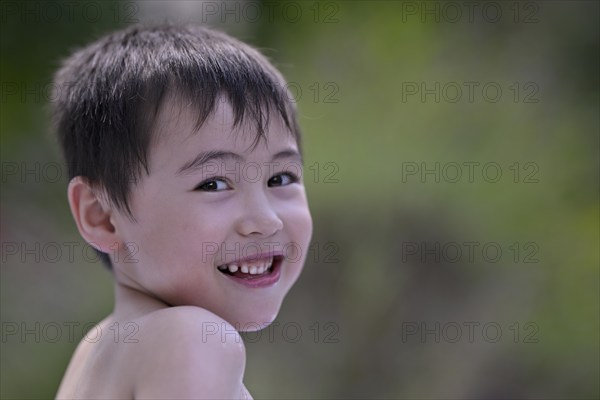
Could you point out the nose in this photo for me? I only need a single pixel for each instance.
(258, 218)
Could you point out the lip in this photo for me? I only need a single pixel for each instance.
(262, 281)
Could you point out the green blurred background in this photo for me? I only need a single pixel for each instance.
(378, 311)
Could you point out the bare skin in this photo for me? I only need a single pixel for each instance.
(136, 362)
(173, 333)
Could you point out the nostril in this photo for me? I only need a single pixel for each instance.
(261, 225)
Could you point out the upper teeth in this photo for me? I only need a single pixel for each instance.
(252, 268)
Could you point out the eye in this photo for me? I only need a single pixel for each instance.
(213, 185)
(284, 179)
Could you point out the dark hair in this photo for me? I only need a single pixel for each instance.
(108, 94)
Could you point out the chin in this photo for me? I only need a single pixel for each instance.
(252, 322)
(253, 326)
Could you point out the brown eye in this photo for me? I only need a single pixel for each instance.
(213, 185)
(282, 180)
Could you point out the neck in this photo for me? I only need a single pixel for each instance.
(132, 301)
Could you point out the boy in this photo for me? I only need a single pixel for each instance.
(184, 157)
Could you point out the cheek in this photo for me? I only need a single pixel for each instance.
(191, 234)
(298, 222)
(176, 234)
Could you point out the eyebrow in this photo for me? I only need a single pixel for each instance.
(205, 157)
(287, 153)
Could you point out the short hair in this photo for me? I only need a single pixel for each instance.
(108, 95)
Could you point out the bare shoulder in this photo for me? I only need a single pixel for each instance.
(188, 352)
(176, 352)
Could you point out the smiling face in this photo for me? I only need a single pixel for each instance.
(219, 224)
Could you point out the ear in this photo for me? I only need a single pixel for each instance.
(92, 216)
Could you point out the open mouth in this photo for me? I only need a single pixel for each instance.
(259, 272)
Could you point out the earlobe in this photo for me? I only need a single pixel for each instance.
(92, 215)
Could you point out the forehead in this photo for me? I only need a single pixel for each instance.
(176, 136)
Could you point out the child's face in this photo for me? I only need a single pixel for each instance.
(187, 226)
